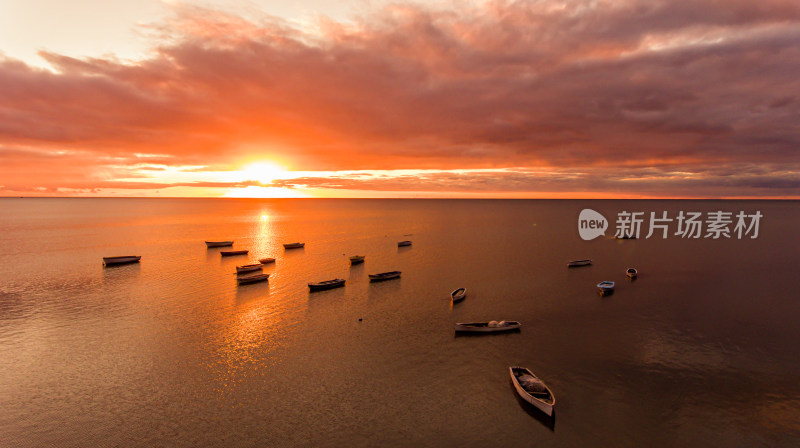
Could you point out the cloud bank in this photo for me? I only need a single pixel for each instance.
(665, 97)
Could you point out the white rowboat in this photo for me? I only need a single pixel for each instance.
(459, 294)
(606, 287)
(532, 389)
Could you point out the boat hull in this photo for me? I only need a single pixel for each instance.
(459, 294)
(210, 244)
(231, 253)
(579, 263)
(266, 260)
(356, 260)
(384, 276)
(252, 279)
(294, 245)
(248, 268)
(605, 288)
(543, 405)
(478, 327)
(127, 259)
(403, 243)
(322, 286)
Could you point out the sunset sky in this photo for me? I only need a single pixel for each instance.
(596, 99)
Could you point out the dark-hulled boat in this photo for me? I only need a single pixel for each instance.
(125, 259)
(248, 268)
(252, 278)
(488, 327)
(230, 253)
(327, 284)
(384, 276)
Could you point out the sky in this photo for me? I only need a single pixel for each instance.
(368, 98)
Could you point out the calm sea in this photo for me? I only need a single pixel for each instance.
(703, 349)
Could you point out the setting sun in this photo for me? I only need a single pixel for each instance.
(264, 172)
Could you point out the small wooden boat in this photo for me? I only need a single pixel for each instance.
(459, 294)
(403, 243)
(266, 260)
(532, 389)
(488, 327)
(230, 253)
(327, 284)
(357, 259)
(248, 268)
(125, 259)
(293, 245)
(243, 280)
(632, 273)
(210, 244)
(384, 276)
(605, 287)
(578, 263)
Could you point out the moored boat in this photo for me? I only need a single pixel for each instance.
(293, 245)
(266, 260)
(230, 253)
(357, 259)
(632, 273)
(327, 284)
(605, 287)
(459, 294)
(125, 259)
(253, 278)
(532, 389)
(578, 263)
(403, 243)
(384, 276)
(210, 244)
(248, 268)
(488, 327)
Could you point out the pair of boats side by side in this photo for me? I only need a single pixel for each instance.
(339, 282)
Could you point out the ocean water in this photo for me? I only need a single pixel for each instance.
(703, 349)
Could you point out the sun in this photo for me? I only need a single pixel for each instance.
(264, 172)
